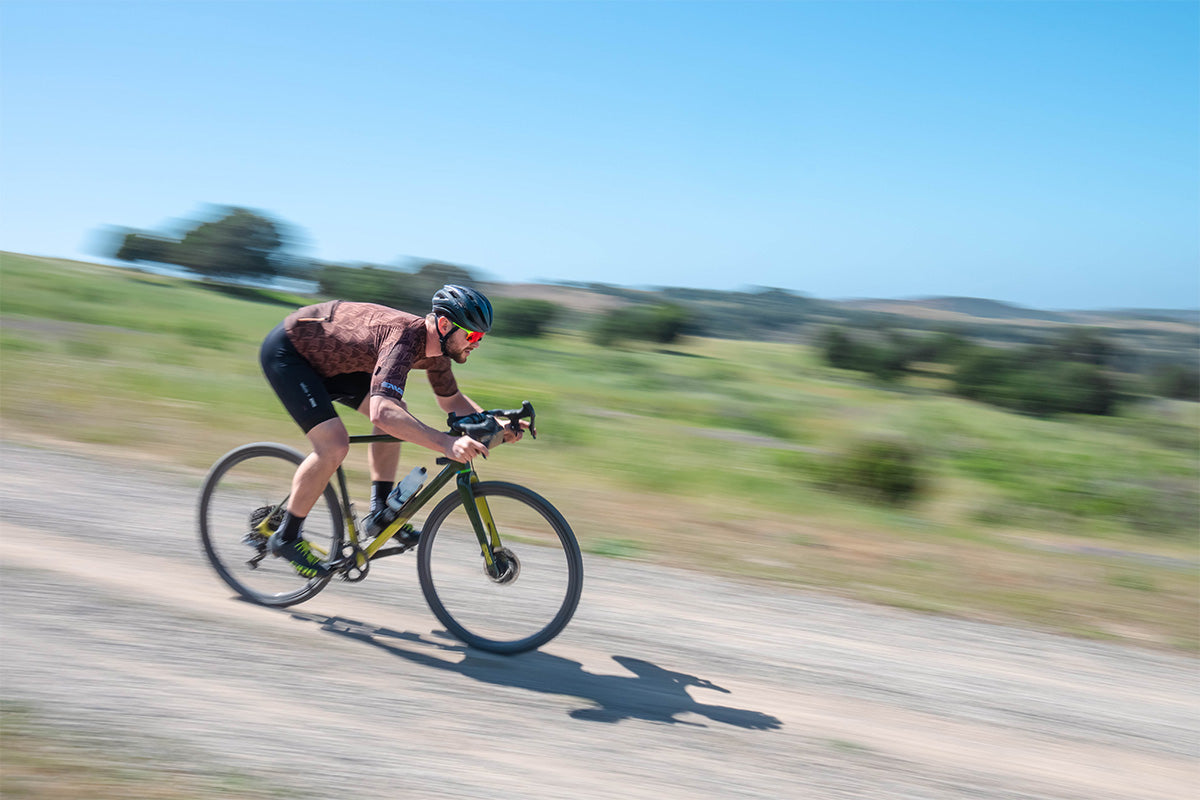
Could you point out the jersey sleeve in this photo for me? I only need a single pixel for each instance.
(389, 382)
(391, 370)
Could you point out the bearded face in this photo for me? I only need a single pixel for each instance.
(457, 351)
(457, 348)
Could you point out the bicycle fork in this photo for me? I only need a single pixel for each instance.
(481, 519)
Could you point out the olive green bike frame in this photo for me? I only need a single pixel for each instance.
(476, 507)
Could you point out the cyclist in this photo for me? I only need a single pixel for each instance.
(360, 354)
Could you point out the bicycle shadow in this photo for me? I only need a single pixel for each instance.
(653, 694)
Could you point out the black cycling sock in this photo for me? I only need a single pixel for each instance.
(379, 492)
(289, 528)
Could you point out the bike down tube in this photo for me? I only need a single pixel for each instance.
(409, 509)
(415, 502)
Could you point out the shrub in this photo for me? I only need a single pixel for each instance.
(405, 290)
(369, 284)
(839, 349)
(887, 362)
(1033, 383)
(1177, 381)
(881, 469)
(662, 324)
(523, 317)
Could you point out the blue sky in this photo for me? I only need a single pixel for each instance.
(1041, 153)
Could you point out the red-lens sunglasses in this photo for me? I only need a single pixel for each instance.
(472, 336)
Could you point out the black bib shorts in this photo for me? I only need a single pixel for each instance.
(306, 395)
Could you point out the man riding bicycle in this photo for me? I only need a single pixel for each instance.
(360, 354)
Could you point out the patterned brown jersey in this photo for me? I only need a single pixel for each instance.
(339, 337)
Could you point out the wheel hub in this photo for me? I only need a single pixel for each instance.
(508, 566)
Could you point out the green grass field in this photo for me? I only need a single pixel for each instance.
(707, 455)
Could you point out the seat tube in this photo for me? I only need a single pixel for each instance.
(345, 499)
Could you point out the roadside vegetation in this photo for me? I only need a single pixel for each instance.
(754, 458)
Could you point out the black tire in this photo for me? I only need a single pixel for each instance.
(256, 477)
(501, 616)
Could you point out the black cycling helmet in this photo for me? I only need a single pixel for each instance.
(464, 306)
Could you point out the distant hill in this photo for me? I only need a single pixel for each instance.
(572, 297)
(1188, 316)
(1147, 336)
(956, 307)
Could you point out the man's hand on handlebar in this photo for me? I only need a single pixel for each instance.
(511, 435)
(464, 449)
(486, 428)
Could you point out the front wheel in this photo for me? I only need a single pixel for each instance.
(241, 503)
(532, 595)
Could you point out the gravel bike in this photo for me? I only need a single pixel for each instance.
(498, 564)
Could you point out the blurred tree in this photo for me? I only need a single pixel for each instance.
(433, 275)
(1085, 389)
(611, 328)
(372, 284)
(240, 244)
(947, 347)
(1083, 345)
(1177, 381)
(886, 362)
(1028, 382)
(662, 323)
(980, 369)
(890, 362)
(665, 323)
(236, 244)
(524, 317)
(134, 246)
(839, 349)
(409, 291)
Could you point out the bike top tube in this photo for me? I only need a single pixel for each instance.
(364, 438)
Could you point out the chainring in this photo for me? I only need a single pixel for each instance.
(353, 572)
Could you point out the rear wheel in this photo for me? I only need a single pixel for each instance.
(533, 593)
(250, 484)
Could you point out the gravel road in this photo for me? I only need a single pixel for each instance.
(667, 684)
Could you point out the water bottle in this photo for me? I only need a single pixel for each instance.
(411, 484)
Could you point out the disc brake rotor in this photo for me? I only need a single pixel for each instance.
(508, 566)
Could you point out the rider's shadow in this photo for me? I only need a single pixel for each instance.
(652, 693)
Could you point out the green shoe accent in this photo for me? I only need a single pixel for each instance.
(407, 534)
(300, 555)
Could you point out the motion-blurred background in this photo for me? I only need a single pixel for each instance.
(894, 300)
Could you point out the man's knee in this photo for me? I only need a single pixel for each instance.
(330, 440)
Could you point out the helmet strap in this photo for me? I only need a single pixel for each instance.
(442, 337)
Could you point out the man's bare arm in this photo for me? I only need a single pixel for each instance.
(458, 403)
(391, 417)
